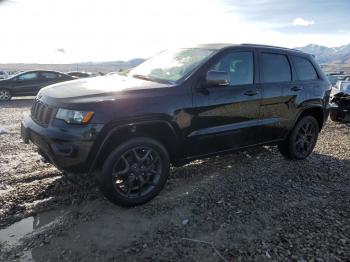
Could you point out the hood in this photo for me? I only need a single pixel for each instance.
(101, 85)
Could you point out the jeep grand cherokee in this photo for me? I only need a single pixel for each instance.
(179, 105)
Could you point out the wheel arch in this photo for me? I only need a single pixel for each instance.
(160, 130)
(315, 111)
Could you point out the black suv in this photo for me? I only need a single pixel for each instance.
(179, 105)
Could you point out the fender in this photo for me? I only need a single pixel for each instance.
(304, 107)
(132, 127)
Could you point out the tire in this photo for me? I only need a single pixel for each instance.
(302, 140)
(5, 95)
(134, 172)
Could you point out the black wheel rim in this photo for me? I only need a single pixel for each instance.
(305, 138)
(137, 172)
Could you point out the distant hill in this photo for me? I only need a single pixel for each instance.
(334, 55)
(103, 67)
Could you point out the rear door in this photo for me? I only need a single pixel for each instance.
(48, 78)
(279, 91)
(226, 117)
(307, 78)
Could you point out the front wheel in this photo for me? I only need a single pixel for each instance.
(302, 140)
(5, 95)
(135, 172)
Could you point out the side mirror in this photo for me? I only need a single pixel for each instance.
(217, 78)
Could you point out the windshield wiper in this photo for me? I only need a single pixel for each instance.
(163, 81)
(142, 77)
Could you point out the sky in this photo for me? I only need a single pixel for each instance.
(69, 31)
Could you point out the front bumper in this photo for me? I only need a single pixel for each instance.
(67, 148)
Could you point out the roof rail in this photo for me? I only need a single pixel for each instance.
(279, 47)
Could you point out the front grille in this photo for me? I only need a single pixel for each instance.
(41, 112)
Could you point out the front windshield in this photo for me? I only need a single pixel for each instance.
(171, 65)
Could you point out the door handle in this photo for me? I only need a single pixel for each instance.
(296, 88)
(251, 93)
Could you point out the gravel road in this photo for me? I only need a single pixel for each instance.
(248, 206)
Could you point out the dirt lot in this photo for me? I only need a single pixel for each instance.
(251, 205)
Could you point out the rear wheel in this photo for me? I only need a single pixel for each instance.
(135, 172)
(5, 95)
(302, 139)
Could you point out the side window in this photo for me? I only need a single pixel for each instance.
(239, 66)
(304, 68)
(275, 68)
(28, 76)
(49, 75)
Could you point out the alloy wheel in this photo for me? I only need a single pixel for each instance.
(137, 172)
(5, 95)
(305, 138)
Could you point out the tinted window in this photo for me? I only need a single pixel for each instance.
(239, 66)
(49, 75)
(275, 68)
(304, 68)
(28, 76)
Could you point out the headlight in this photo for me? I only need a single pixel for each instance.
(74, 117)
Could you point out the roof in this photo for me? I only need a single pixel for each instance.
(218, 46)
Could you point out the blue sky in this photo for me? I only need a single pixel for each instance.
(64, 31)
(329, 16)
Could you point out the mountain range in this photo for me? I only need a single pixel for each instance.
(332, 58)
(328, 55)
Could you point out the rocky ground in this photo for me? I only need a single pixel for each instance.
(251, 205)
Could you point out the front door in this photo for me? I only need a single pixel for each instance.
(26, 84)
(226, 117)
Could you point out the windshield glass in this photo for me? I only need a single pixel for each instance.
(171, 65)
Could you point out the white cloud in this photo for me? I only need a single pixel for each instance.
(302, 22)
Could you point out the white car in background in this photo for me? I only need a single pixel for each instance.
(340, 101)
(3, 75)
(342, 87)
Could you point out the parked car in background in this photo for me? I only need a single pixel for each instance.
(29, 83)
(179, 105)
(78, 74)
(334, 78)
(342, 87)
(3, 75)
(341, 98)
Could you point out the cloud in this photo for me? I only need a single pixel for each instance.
(60, 50)
(302, 22)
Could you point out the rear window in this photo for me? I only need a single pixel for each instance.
(305, 70)
(275, 68)
(48, 75)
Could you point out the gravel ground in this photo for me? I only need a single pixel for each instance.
(248, 206)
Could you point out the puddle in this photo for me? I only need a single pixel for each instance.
(12, 234)
(15, 232)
